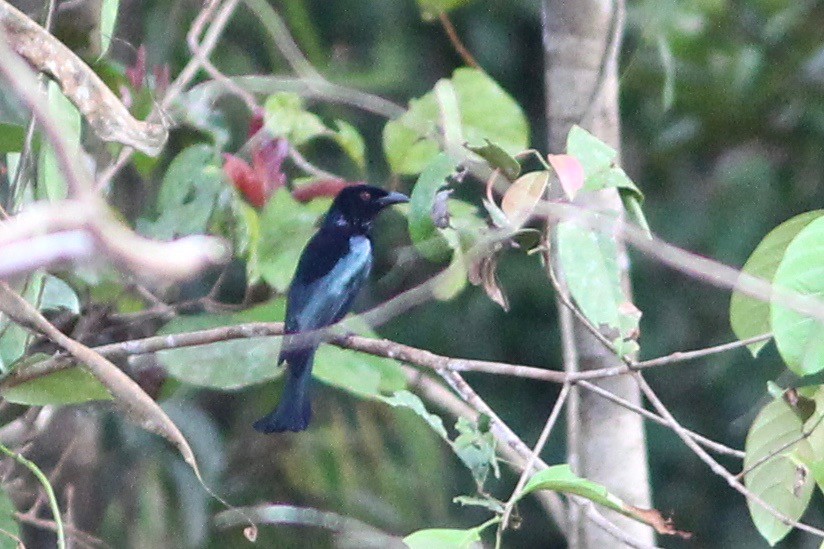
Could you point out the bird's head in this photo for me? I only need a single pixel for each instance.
(357, 206)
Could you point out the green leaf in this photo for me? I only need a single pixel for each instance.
(778, 480)
(431, 8)
(428, 239)
(286, 226)
(108, 19)
(560, 478)
(234, 364)
(799, 337)
(11, 138)
(358, 373)
(286, 116)
(498, 158)
(590, 263)
(475, 446)
(595, 156)
(44, 292)
(56, 294)
(750, 317)
(188, 195)
(351, 141)
(405, 399)
(225, 365)
(443, 538)
(453, 279)
(634, 212)
(72, 386)
(9, 527)
(51, 183)
(486, 112)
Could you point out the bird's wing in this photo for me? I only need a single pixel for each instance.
(330, 274)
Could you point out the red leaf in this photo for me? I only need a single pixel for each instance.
(267, 161)
(245, 180)
(137, 72)
(256, 123)
(570, 173)
(321, 188)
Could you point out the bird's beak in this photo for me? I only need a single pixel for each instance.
(392, 198)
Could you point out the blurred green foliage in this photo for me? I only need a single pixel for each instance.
(723, 125)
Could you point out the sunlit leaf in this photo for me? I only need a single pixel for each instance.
(590, 262)
(108, 19)
(405, 399)
(799, 337)
(351, 141)
(287, 117)
(523, 195)
(486, 112)
(443, 538)
(51, 182)
(475, 446)
(750, 317)
(778, 480)
(560, 478)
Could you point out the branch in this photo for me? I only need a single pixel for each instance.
(456, 42)
(129, 397)
(714, 466)
(108, 117)
(539, 446)
(508, 437)
(45, 235)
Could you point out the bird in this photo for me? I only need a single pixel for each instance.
(330, 273)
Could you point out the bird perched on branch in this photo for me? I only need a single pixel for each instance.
(331, 270)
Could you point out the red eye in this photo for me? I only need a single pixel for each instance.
(365, 196)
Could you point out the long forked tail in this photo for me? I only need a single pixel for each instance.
(294, 411)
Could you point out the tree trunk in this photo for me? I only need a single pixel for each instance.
(606, 443)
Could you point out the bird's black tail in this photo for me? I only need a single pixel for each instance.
(295, 408)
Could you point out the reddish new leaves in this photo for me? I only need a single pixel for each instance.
(258, 182)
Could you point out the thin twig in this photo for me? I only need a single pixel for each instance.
(459, 46)
(706, 442)
(201, 55)
(506, 435)
(683, 356)
(177, 86)
(301, 162)
(536, 451)
(714, 466)
(805, 433)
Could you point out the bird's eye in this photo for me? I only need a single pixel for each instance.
(365, 196)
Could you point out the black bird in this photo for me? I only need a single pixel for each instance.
(331, 270)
